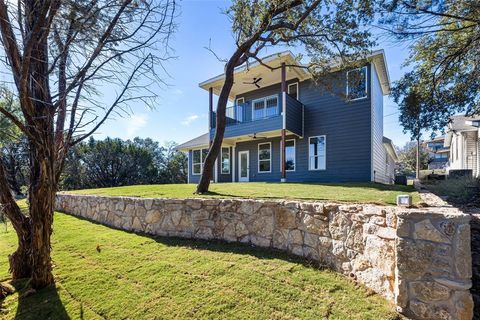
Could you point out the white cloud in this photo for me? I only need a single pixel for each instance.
(135, 123)
(190, 119)
(177, 92)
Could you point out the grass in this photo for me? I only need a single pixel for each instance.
(340, 192)
(139, 277)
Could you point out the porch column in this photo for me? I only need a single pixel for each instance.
(284, 116)
(216, 171)
(233, 163)
(210, 109)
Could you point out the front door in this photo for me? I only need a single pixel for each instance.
(244, 166)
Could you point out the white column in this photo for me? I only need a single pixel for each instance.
(188, 166)
(216, 171)
(233, 163)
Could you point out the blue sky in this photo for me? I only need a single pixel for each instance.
(181, 111)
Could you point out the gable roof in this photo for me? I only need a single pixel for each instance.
(246, 73)
(460, 123)
(198, 142)
(388, 145)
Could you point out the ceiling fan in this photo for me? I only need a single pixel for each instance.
(254, 82)
(254, 136)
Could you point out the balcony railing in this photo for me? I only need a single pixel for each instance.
(262, 115)
(250, 111)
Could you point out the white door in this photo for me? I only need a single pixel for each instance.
(243, 166)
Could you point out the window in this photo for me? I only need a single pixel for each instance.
(265, 107)
(264, 157)
(316, 153)
(198, 157)
(357, 84)
(293, 90)
(225, 160)
(289, 155)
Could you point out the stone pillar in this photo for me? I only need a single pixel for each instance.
(433, 265)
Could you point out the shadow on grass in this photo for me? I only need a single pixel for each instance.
(222, 246)
(43, 304)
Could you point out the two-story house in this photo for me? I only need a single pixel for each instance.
(463, 141)
(283, 126)
(437, 153)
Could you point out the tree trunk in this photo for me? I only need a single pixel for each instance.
(20, 260)
(216, 146)
(42, 200)
(418, 158)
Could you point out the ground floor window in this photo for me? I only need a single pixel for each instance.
(225, 160)
(316, 152)
(289, 155)
(264, 157)
(198, 157)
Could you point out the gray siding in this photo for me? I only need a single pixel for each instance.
(349, 127)
(379, 173)
(221, 177)
(294, 120)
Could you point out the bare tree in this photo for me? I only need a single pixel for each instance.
(326, 29)
(60, 56)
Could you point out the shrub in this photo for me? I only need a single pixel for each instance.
(462, 190)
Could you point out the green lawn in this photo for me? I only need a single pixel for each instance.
(341, 192)
(139, 277)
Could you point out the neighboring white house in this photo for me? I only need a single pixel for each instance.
(463, 140)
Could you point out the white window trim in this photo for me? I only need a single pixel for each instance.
(294, 155)
(221, 160)
(258, 157)
(298, 88)
(325, 137)
(366, 84)
(201, 161)
(242, 99)
(264, 105)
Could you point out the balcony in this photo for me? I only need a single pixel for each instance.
(262, 115)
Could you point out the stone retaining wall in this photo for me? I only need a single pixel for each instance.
(417, 258)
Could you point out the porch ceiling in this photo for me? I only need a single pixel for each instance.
(259, 136)
(244, 75)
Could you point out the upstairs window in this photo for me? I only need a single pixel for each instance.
(293, 90)
(316, 153)
(225, 160)
(198, 157)
(265, 107)
(264, 157)
(357, 84)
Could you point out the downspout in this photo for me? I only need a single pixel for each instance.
(234, 169)
(284, 122)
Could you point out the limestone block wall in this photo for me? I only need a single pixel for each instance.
(406, 256)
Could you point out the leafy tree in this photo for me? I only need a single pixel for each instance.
(415, 109)
(445, 57)
(327, 29)
(12, 143)
(113, 162)
(407, 158)
(60, 55)
(175, 167)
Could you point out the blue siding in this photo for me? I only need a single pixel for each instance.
(347, 126)
(294, 116)
(221, 177)
(248, 128)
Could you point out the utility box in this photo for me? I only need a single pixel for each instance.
(404, 201)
